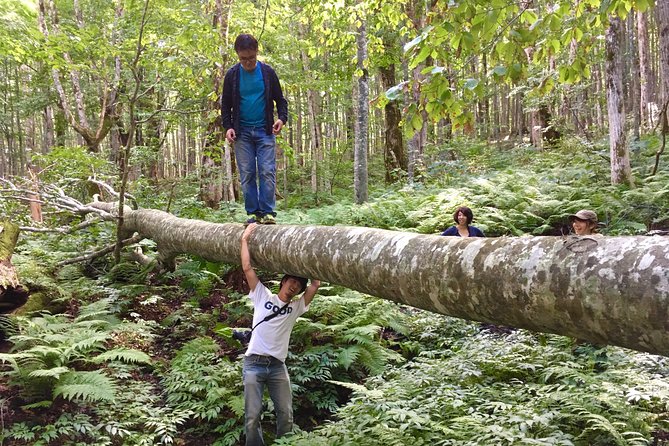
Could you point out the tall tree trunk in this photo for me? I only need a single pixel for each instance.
(635, 74)
(621, 171)
(214, 155)
(536, 123)
(49, 132)
(644, 68)
(362, 119)
(125, 159)
(416, 11)
(395, 157)
(313, 111)
(662, 7)
(609, 290)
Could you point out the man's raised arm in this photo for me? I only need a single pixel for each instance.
(249, 272)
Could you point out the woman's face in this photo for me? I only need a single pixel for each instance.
(582, 227)
(462, 219)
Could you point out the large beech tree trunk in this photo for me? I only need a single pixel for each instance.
(608, 290)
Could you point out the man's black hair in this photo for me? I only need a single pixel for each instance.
(245, 42)
(302, 280)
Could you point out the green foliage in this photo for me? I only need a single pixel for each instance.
(71, 164)
(50, 350)
(490, 389)
(516, 191)
(124, 355)
(193, 277)
(84, 386)
(207, 386)
(342, 338)
(8, 326)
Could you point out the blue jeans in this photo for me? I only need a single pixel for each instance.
(255, 150)
(259, 371)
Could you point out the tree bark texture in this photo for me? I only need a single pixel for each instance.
(12, 295)
(394, 156)
(662, 7)
(362, 120)
(621, 171)
(644, 68)
(606, 290)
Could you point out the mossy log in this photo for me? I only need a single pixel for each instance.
(12, 294)
(606, 290)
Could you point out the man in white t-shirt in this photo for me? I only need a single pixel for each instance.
(268, 348)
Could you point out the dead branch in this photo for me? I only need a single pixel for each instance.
(101, 252)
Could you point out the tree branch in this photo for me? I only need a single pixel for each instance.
(100, 253)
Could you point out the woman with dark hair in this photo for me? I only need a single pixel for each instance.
(463, 217)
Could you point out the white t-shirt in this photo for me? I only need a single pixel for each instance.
(271, 338)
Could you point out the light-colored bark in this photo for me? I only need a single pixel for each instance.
(214, 180)
(644, 68)
(634, 92)
(662, 7)
(621, 171)
(360, 187)
(607, 290)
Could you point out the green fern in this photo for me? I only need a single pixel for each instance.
(85, 386)
(50, 349)
(8, 326)
(124, 355)
(55, 372)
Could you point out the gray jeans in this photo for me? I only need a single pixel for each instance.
(258, 372)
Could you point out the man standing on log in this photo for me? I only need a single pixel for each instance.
(273, 319)
(250, 91)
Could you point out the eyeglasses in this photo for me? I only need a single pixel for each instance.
(247, 59)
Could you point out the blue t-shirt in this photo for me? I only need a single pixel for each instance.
(473, 232)
(252, 98)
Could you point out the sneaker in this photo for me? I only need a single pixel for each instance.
(252, 219)
(267, 220)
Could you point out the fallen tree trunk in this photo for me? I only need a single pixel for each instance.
(609, 290)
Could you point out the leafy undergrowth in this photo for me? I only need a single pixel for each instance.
(129, 356)
(509, 389)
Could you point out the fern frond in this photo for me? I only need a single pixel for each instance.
(358, 388)
(348, 355)
(49, 373)
(93, 342)
(8, 326)
(86, 386)
(373, 357)
(362, 334)
(599, 424)
(8, 358)
(124, 355)
(98, 310)
(43, 352)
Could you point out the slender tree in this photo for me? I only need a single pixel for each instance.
(663, 22)
(621, 171)
(362, 115)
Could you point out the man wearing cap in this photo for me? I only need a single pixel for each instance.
(584, 222)
(264, 359)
